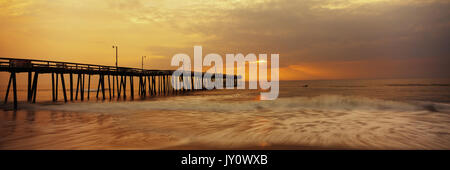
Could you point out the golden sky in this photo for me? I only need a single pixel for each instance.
(326, 39)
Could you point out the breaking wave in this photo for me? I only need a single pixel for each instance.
(225, 104)
(417, 84)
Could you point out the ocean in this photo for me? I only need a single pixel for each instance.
(327, 114)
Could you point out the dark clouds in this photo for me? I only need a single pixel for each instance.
(303, 31)
(321, 36)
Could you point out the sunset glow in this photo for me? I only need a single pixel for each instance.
(315, 39)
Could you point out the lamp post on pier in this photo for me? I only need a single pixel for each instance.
(115, 77)
(117, 57)
(143, 61)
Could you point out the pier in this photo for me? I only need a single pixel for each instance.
(112, 80)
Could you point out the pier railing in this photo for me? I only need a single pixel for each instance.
(25, 65)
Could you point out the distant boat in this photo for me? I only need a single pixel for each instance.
(305, 85)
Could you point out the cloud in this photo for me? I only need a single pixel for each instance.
(15, 7)
(300, 26)
(307, 31)
(351, 31)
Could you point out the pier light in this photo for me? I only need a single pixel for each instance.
(143, 61)
(117, 57)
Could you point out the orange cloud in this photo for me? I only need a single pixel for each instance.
(315, 39)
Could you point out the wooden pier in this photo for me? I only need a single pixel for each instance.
(151, 82)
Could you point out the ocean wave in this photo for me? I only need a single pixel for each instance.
(218, 121)
(417, 84)
(348, 86)
(225, 103)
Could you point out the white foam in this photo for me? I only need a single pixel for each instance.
(225, 104)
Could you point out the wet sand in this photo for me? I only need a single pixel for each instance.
(272, 147)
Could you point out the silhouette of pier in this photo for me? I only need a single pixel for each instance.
(151, 82)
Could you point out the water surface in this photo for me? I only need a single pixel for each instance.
(345, 114)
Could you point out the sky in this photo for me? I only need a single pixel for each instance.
(316, 39)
